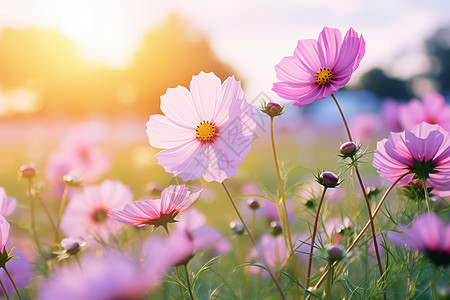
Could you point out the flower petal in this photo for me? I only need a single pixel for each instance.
(164, 133)
(206, 90)
(178, 105)
(330, 40)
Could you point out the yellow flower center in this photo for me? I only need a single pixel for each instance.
(324, 76)
(205, 131)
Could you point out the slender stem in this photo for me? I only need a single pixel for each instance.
(242, 261)
(363, 190)
(61, 209)
(176, 267)
(49, 216)
(12, 281)
(188, 281)
(427, 196)
(253, 242)
(288, 230)
(313, 238)
(329, 277)
(364, 229)
(33, 222)
(372, 226)
(4, 290)
(343, 118)
(410, 276)
(433, 283)
(179, 286)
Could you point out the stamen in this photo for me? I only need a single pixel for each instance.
(324, 76)
(205, 131)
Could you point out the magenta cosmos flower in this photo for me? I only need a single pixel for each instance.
(4, 232)
(86, 214)
(78, 153)
(432, 110)
(159, 212)
(427, 234)
(7, 204)
(319, 68)
(423, 153)
(21, 271)
(206, 131)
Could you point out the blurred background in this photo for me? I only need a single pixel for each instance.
(64, 63)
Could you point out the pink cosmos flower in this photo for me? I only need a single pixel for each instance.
(112, 276)
(319, 68)
(365, 127)
(423, 153)
(4, 232)
(203, 236)
(427, 234)
(86, 214)
(390, 113)
(274, 251)
(21, 271)
(432, 110)
(7, 204)
(206, 131)
(159, 212)
(79, 154)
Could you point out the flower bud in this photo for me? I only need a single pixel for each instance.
(328, 179)
(276, 228)
(253, 204)
(237, 227)
(27, 171)
(348, 149)
(334, 253)
(72, 246)
(272, 109)
(71, 179)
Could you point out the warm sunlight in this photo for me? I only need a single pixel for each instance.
(102, 34)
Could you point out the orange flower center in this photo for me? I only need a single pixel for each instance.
(324, 76)
(205, 131)
(100, 215)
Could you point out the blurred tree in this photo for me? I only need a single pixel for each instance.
(384, 86)
(438, 48)
(48, 63)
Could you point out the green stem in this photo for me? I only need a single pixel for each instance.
(4, 290)
(176, 268)
(329, 277)
(49, 216)
(179, 286)
(410, 276)
(61, 209)
(363, 190)
(188, 282)
(282, 199)
(313, 238)
(427, 195)
(261, 255)
(362, 231)
(33, 222)
(434, 283)
(12, 281)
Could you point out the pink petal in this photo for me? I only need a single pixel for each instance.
(171, 197)
(350, 53)
(231, 93)
(179, 106)
(411, 114)
(310, 56)
(289, 69)
(189, 161)
(330, 40)
(163, 133)
(206, 90)
(434, 103)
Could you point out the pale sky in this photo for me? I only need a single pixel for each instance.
(252, 36)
